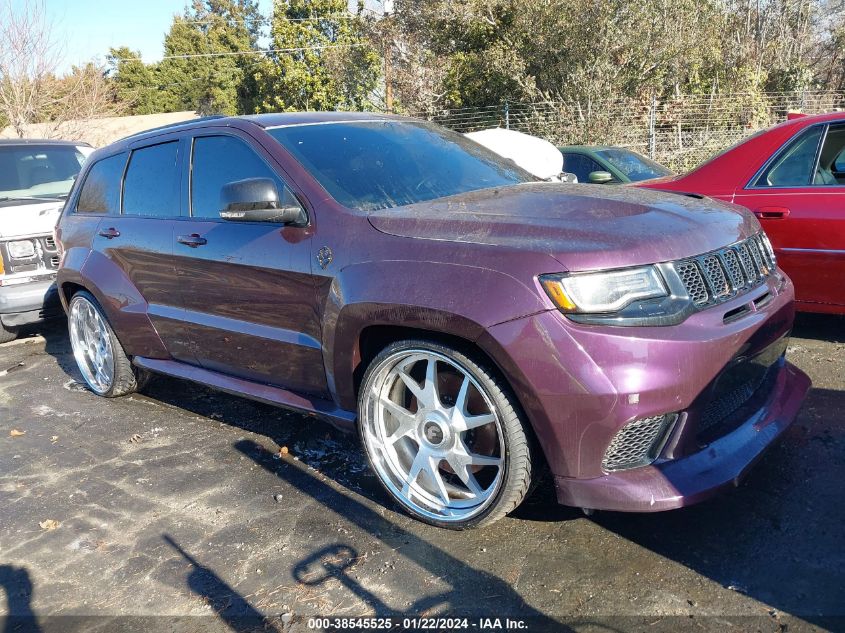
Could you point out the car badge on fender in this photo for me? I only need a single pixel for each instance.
(325, 257)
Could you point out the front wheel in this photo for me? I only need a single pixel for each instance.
(99, 355)
(7, 333)
(443, 435)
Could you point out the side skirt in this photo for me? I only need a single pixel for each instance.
(309, 405)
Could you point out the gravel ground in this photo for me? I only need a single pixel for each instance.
(186, 502)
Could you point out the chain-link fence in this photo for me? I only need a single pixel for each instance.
(680, 132)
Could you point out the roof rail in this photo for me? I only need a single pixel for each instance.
(170, 126)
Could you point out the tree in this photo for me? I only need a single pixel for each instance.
(319, 58)
(138, 85)
(209, 54)
(208, 64)
(486, 52)
(30, 89)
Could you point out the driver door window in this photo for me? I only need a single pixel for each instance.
(219, 160)
(581, 166)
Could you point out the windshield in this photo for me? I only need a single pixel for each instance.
(372, 165)
(634, 166)
(38, 171)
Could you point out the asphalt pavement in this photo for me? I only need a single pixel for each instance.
(183, 509)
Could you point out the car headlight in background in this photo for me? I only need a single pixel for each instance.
(21, 249)
(603, 292)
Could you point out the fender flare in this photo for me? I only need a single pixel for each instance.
(125, 308)
(388, 293)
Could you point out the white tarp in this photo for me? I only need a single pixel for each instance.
(533, 154)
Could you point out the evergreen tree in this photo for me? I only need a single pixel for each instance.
(137, 84)
(319, 58)
(209, 62)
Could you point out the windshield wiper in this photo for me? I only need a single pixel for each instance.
(39, 198)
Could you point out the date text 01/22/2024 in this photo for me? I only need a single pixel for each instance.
(417, 624)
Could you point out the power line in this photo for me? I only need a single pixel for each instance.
(262, 18)
(265, 51)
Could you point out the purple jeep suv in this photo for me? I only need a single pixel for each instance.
(474, 324)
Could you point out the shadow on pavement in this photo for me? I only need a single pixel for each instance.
(333, 562)
(232, 608)
(473, 591)
(17, 585)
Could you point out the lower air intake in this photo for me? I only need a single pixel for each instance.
(638, 443)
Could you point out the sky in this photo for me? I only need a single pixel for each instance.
(86, 29)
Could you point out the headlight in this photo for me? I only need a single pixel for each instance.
(608, 291)
(769, 249)
(21, 249)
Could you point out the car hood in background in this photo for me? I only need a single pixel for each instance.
(585, 227)
(535, 155)
(28, 218)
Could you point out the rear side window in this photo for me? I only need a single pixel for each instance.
(794, 166)
(151, 187)
(217, 161)
(101, 190)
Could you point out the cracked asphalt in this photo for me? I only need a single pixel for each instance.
(138, 512)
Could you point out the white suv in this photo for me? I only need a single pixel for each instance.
(35, 177)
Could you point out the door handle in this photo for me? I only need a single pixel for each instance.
(193, 240)
(771, 213)
(109, 233)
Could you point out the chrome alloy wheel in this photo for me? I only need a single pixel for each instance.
(434, 437)
(92, 346)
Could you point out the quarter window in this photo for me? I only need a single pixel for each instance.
(217, 161)
(152, 182)
(101, 189)
(794, 165)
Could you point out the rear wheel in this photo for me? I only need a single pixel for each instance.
(443, 435)
(102, 362)
(7, 333)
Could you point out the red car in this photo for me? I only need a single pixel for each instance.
(792, 176)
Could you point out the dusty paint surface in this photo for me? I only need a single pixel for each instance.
(180, 502)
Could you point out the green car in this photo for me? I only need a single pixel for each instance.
(600, 164)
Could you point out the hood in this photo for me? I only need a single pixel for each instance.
(29, 218)
(585, 227)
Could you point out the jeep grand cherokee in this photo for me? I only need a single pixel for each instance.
(386, 274)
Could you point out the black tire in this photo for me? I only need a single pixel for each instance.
(520, 467)
(126, 378)
(7, 334)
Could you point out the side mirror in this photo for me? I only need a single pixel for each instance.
(599, 177)
(258, 200)
(569, 177)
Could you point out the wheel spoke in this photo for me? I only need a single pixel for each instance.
(463, 472)
(484, 460)
(461, 422)
(418, 464)
(461, 398)
(436, 477)
(430, 387)
(466, 457)
(412, 386)
(406, 420)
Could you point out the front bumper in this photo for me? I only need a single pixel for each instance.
(721, 464)
(580, 385)
(31, 302)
